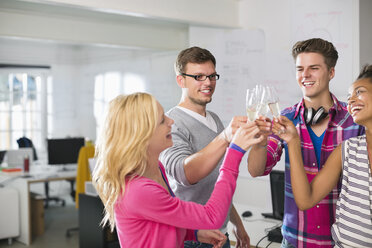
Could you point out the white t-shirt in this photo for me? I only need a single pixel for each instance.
(207, 120)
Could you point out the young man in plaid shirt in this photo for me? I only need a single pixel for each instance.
(322, 123)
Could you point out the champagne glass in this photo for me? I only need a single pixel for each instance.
(252, 104)
(273, 101)
(264, 100)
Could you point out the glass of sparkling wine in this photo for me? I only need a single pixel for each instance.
(263, 108)
(252, 104)
(272, 101)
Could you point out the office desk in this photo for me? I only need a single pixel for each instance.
(256, 226)
(22, 184)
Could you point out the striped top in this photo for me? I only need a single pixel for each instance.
(311, 228)
(353, 226)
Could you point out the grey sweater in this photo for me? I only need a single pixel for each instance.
(190, 136)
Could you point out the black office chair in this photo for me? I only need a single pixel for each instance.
(53, 198)
(26, 142)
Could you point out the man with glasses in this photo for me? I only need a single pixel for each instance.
(199, 138)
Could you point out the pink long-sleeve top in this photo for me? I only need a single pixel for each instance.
(148, 216)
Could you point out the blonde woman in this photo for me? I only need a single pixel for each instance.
(134, 188)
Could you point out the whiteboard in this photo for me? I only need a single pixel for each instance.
(334, 22)
(243, 62)
(240, 61)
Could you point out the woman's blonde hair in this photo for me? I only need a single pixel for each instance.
(121, 150)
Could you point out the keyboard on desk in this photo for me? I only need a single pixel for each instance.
(51, 175)
(63, 167)
(43, 175)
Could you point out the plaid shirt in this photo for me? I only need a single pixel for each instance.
(311, 228)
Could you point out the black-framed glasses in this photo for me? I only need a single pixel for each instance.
(212, 77)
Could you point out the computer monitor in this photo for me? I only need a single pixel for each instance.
(64, 151)
(277, 195)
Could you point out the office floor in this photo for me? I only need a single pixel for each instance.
(57, 220)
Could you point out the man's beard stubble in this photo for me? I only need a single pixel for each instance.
(200, 102)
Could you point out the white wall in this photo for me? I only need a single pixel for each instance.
(221, 13)
(365, 32)
(156, 68)
(76, 25)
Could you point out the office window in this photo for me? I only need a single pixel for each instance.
(22, 108)
(49, 109)
(111, 84)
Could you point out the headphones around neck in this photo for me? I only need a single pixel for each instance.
(313, 117)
